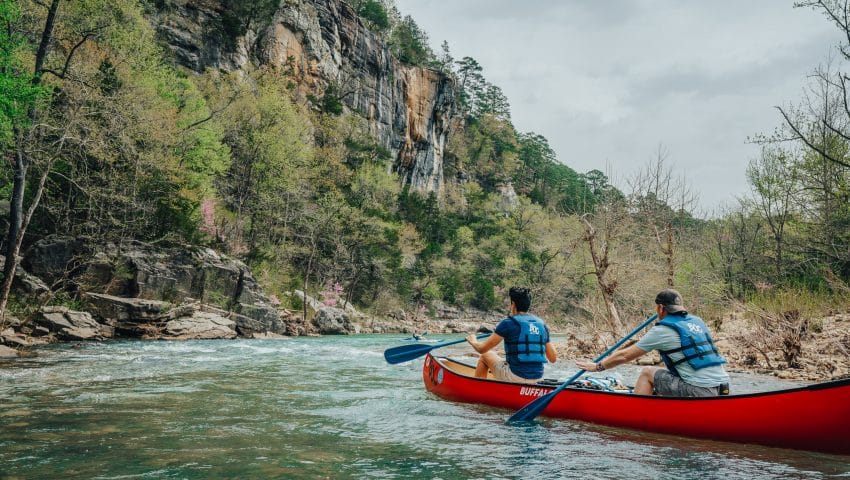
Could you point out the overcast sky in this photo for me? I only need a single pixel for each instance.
(607, 82)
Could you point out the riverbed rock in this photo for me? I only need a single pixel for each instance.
(6, 352)
(126, 309)
(200, 326)
(71, 325)
(335, 321)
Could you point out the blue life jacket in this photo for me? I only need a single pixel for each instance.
(530, 346)
(696, 343)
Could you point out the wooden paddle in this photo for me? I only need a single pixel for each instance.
(533, 409)
(404, 353)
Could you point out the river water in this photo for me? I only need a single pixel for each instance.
(327, 407)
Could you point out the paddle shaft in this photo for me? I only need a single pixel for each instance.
(528, 412)
(405, 353)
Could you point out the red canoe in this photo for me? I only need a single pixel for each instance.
(815, 417)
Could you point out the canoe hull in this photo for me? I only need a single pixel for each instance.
(809, 418)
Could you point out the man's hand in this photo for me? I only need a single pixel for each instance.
(473, 341)
(589, 366)
(486, 345)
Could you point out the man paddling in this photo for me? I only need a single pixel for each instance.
(527, 345)
(694, 367)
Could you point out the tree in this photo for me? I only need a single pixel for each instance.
(665, 201)
(775, 180)
(445, 61)
(375, 14)
(409, 43)
(271, 156)
(470, 83)
(12, 76)
(838, 12)
(600, 240)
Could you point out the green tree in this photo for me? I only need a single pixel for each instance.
(375, 14)
(409, 43)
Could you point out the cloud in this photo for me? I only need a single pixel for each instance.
(606, 82)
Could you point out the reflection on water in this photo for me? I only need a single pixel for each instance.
(317, 408)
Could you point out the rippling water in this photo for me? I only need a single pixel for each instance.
(317, 408)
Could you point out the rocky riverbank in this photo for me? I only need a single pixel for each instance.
(137, 290)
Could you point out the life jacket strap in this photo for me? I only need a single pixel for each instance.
(695, 355)
(690, 345)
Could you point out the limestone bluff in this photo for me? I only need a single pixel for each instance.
(324, 42)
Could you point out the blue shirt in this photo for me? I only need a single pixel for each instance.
(509, 330)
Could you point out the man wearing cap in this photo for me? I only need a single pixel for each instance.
(694, 367)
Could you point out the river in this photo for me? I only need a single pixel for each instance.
(326, 407)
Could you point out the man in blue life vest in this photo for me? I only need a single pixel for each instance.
(527, 345)
(694, 367)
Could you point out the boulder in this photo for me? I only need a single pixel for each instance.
(13, 339)
(54, 257)
(6, 352)
(71, 325)
(123, 309)
(335, 321)
(200, 326)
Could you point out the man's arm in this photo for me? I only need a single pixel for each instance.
(619, 357)
(551, 353)
(486, 345)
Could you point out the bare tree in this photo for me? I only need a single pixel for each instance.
(661, 198)
(599, 242)
(838, 12)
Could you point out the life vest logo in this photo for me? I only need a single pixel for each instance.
(694, 328)
(532, 329)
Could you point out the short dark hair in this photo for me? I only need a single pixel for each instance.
(521, 297)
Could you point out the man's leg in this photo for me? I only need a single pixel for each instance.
(486, 362)
(645, 382)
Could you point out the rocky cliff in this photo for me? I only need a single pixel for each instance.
(324, 43)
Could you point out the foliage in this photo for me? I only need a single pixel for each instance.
(409, 43)
(18, 92)
(375, 14)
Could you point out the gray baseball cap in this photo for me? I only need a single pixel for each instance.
(671, 300)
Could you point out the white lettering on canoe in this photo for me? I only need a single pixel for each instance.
(533, 391)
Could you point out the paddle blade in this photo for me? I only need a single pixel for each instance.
(533, 409)
(404, 353)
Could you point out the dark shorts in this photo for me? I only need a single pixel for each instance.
(668, 385)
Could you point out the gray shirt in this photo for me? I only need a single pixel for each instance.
(661, 337)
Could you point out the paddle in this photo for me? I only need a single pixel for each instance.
(528, 412)
(404, 353)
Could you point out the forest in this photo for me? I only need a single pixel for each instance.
(106, 138)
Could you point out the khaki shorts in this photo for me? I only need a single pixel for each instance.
(502, 371)
(668, 385)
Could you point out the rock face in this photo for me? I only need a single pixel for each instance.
(324, 43)
(135, 284)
